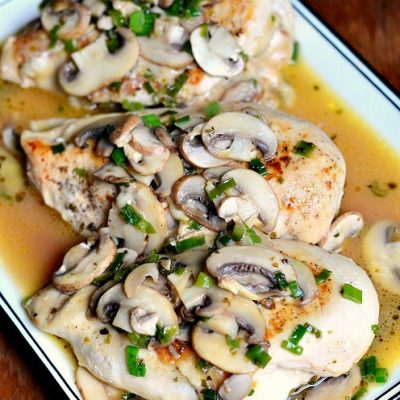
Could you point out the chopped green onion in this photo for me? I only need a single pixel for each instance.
(180, 270)
(204, 30)
(187, 47)
(115, 87)
(148, 87)
(151, 121)
(141, 341)
(232, 343)
(351, 293)
(120, 275)
(58, 148)
(203, 365)
(142, 22)
(251, 236)
(378, 190)
(167, 333)
(194, 226)
(54, 35)
(136, 366)
(212, 109)
(80, 172)
(368, 367)
(224, 239)
(295, 290)
(238, 232)
(322, 276)
(113, 268)
(118, 19)
(293, 348)
(375, 329)
(183, 120)
(173, 89)
(70, 45)
(204, 280)
(132, 217)
(187, 244)
(257, 166)
(132, 105)
(281, 279)
(221, 188)
(304, 149)
(297, 334)
(360, 393)
(184, 8)
(295, 53)
(258, 356)
(251, 392)
(209, 394)
(313, 330)
(44, 3)
(114, 41)
(152, 257)
(118, 156)
(381, 375)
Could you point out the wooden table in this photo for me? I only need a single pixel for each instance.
(370, 26)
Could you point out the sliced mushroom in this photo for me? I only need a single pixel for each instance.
(193, 121)
(248, 270)
(233, 208)
(236, 135)
(194, 151)
(81, 264)
(216, 172)
(143, 199)
(224, 324)
(344, 227)
(212, 347)
(104, 148)
(123, 134)
(236, 387)
(241, 91)
(165, 138)
(172, 171)
(72, 18)
(258, 192)
(381, 251)
(112, 173)
(145, 142)
(189, 195)
(161, 53)
(216, 52)
(136, 278)
(94, 66)
(114, 307)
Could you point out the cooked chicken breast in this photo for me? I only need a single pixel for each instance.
(172, 61)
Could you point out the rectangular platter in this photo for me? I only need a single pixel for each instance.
(336, 65)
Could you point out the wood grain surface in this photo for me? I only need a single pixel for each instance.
(372, 27)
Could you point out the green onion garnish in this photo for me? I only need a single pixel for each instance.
(381, 375)
(313, 330)
(118, 156)
(148, 87)
(238, 232)
(209, 394)
(167, 333)
(375, 329)
(115, 87)
(257, 166)
(180, 270)
(351, 293)
(204, 280)
(80, 172)
(44, 3)
(212, 109)
(295, 53)
(295, 290)
(258, 356)
(142, 22)
(304, 149)
(297, 334)
(183, 120)
(370, 371)
(153, 257)
(194, 226)
(203, 365)
(232, 343)
(251, 236)
(173, 89)
(57, 148)
(378, 190)
(281, 279)
(136, 366)
(132, 105)
(112, 269)
(151, 121)
(118, 19)
(141, 341)
(54, 35)
(114, 41)
(293, 348)
(70, 45)
(204, 30)
(322, 276)
(187, 244)
(132, 217)
(221, 188)
(360, 393)
(250, 393)
(184, 8)
(224, 239)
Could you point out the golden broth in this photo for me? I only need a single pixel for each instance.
(33, 238)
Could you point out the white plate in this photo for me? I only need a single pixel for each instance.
(352, 80)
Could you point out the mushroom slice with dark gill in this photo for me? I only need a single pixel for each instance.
(94, 66)
(71, 18)
(112, 173)
(82, 264)
(216, 51)
(237, 136)
(189, 195)
(344, 227)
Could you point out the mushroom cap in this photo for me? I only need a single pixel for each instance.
(94, 66)
(236, 135)
(137, 277)
(172, 171)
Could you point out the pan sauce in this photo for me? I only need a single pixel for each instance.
(33, 238)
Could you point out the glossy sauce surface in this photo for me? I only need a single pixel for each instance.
(33, 238)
